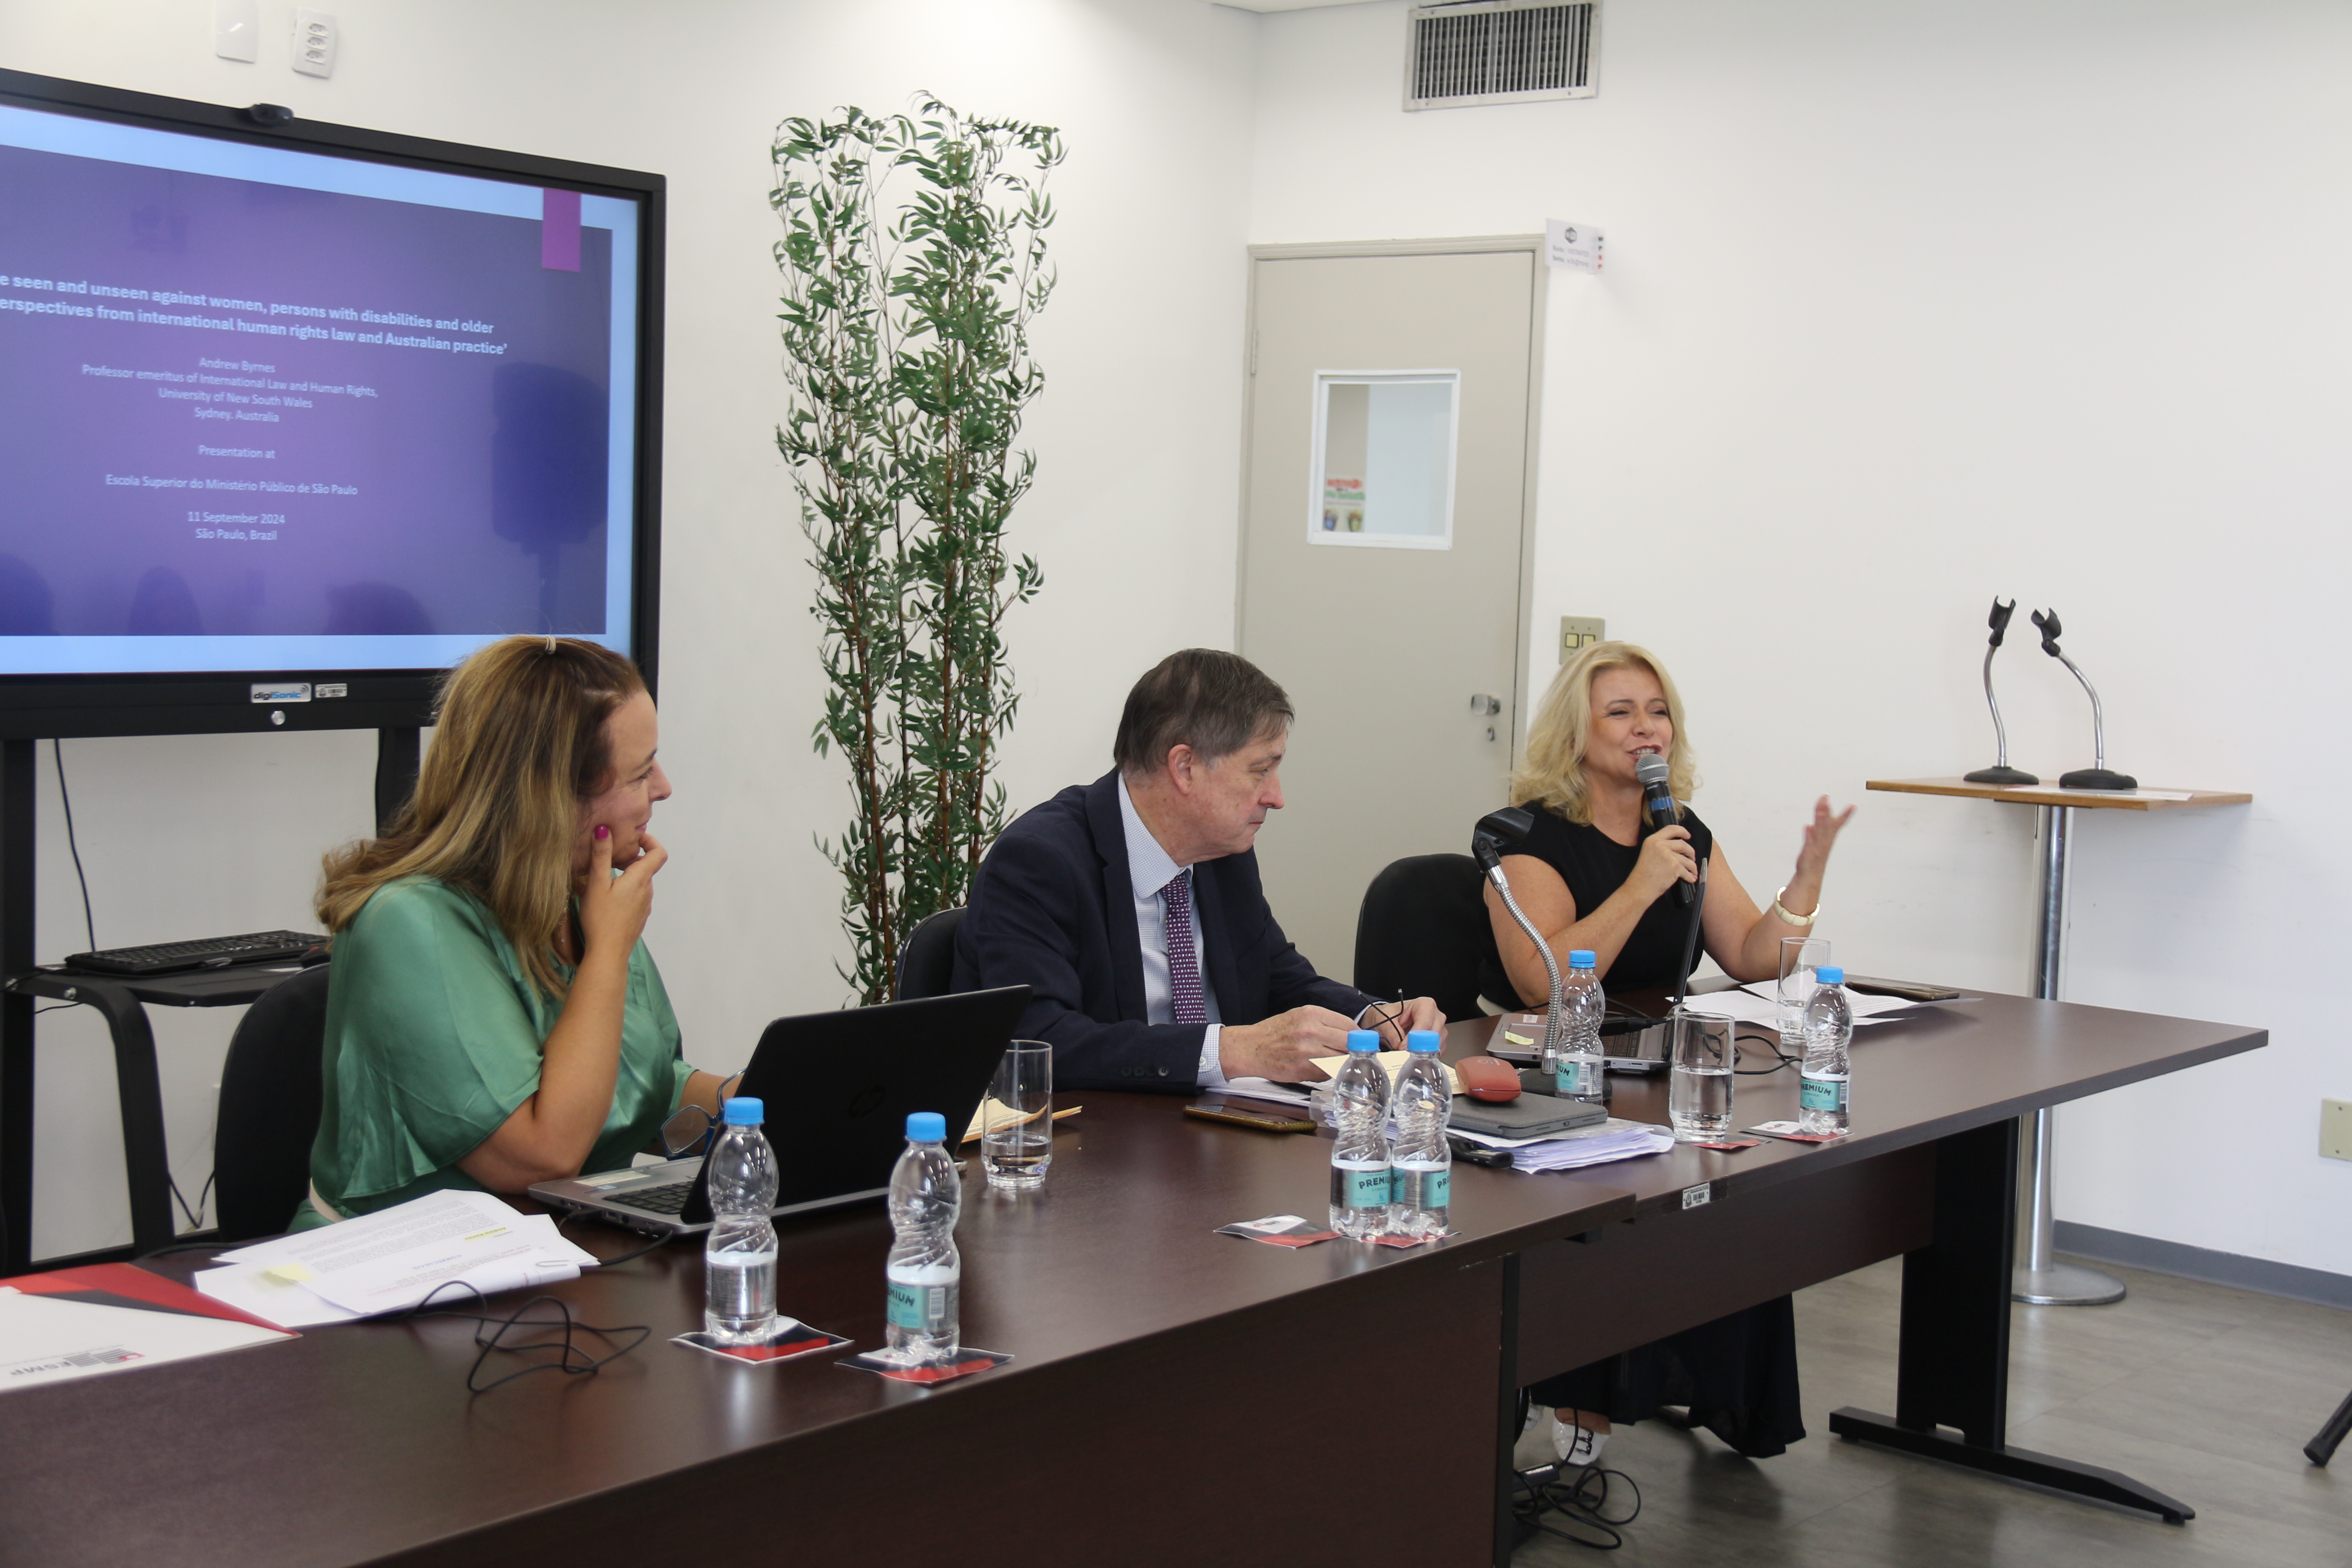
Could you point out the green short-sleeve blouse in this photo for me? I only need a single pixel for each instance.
(434, 1033)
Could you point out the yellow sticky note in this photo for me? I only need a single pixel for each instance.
(288, 1274)
(1517, 1040)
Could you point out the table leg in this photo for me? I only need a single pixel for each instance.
(2042, 1280)
(1953, 1363)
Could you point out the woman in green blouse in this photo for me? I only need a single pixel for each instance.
(493, 1019)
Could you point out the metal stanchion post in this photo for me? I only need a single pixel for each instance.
(2040, 1279)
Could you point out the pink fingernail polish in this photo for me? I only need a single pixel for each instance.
(603, 832)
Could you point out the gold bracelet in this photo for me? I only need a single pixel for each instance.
(1802, 922)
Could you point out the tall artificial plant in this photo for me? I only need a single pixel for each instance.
(913, 261)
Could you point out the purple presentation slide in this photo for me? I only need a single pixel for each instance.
(234, 408)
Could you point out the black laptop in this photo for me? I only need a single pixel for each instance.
(838, 1087)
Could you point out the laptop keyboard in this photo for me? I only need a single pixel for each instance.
(669, 1200)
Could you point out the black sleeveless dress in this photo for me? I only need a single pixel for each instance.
(1737, 1374)
(1594, 865)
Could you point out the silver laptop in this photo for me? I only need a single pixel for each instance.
(838, 1087)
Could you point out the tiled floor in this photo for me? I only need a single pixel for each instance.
(2205, 1393)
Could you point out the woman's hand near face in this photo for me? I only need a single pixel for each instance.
(613, 910)
(1667, 858)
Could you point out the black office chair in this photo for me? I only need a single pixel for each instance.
(269, 1108)
(1423, 931)
(926, 962)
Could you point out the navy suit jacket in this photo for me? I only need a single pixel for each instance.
(1053, 908)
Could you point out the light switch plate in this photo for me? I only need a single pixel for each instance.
(237, 29)
(315, 38)
(1576, 631)
(2335, 1129)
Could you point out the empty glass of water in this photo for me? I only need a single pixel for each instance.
(1800, 957)
(1016, 1139)
(1705, 1052)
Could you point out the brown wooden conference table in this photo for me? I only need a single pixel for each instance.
(1175, 1395)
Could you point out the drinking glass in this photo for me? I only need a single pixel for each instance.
(1800, 956)
(1704, 1051)
(1016, 1137)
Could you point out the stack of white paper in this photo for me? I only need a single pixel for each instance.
(1615, 1140)
(391, 1260)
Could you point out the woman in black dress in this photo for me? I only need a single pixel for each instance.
(1593, 875)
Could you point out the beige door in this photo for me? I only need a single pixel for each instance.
(1387, 490)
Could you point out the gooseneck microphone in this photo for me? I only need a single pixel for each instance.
(1658, 805)
(1508, 829)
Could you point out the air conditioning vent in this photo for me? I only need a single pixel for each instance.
(1498, 51)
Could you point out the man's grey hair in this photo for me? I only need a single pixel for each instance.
(1212, 701)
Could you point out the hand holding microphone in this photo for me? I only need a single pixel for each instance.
(1669, 839)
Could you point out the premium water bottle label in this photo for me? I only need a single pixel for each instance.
(1365, 1189)
(1821, 1093)
(1576, 1078)
(1436, 1188)
(923, 1308)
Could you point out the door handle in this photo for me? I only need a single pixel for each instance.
(1483, 705)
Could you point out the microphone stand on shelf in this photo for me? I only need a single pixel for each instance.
(2000, 773)
(2096, 776)
(1506, 829)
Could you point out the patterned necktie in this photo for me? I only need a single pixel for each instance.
(1183, 963)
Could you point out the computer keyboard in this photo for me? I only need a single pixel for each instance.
(210, 952)
(669, 1200)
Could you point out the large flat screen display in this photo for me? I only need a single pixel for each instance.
(319, 418)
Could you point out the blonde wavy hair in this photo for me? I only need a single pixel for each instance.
(1552, 772)
(519, 746)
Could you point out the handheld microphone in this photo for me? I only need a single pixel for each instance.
(1658, 805)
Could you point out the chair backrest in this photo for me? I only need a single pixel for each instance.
(270, 1108)
(927, 963)
(1423, 931)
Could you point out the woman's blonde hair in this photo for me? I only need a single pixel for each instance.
(1552, 772)
(519, 744)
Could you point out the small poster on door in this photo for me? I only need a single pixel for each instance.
(1343, 505)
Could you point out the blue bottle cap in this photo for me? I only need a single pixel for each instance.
(1582, 958)
(1422, 1040)
(1829, 975)
(1363, 1040)
(744, 1111)
(925, 1127)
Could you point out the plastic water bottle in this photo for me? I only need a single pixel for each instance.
(1828, 1055)
(739, 1256)
(1576, 1070)
(1422, 1167)
(925, 1272)
(1360, 1160)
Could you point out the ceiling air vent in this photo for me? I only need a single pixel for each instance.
(1498, 51)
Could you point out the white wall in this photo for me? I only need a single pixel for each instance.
(1907, 306)
(1132, 515)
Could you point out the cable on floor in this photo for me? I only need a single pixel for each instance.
(1580, 1500)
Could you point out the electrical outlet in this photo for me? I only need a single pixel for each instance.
(1577, 631)
(315, 38)
(2335, 1129)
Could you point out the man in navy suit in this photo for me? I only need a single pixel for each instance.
(1131, 907)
